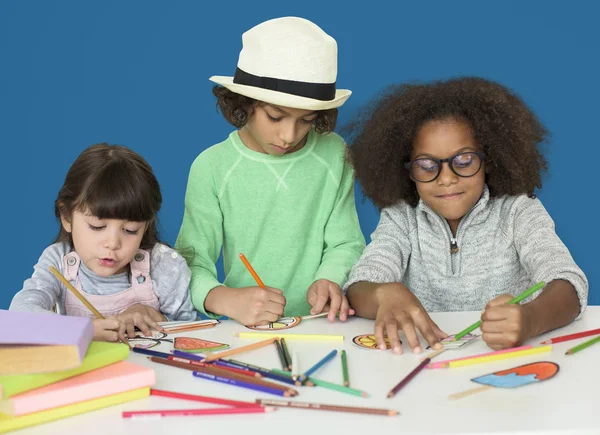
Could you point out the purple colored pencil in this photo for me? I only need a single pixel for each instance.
(242, 384)
(408, 377)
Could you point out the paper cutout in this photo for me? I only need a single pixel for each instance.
(193, 345)
(449, 342)
(519, 376)
(367, 341)
(148, 342)
(282, 323)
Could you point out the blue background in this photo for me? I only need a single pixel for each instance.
(74, 73)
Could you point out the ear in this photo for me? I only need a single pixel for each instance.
(66, 223)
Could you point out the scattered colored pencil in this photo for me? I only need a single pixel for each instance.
(242, 384)
(318, 365)
(179, 329)
(151, 352)
(515, 300)
(83, 300)
(295, 366)
(495, 356)
(251, 270)
(307, 337)
(236, 370)
(263, 371)
(284, 363)
(571, 336)
(444, 364)
(204, 399)
(408, 378)
(241, 349)
(582, 346)
(206, 411)
(286, 353)
(323, 407)
(329, 385)
(345, 369)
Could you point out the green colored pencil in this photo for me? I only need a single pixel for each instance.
(515, 300)
(582, 346)
(345, 369)
(325, 384)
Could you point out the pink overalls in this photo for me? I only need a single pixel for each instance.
(140, 292)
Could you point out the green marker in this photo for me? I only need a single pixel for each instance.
(516, 300)
(345, 369)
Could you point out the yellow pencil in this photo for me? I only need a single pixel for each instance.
(497, 357)
(307, 337)
(83, 300)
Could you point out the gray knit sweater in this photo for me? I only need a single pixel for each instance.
(505, 245)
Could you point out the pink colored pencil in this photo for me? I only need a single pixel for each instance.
(183, 412)
(571, 336)
(444, 364)
(205, 399)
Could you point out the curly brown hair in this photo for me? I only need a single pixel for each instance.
(236, 109)
(381, 138)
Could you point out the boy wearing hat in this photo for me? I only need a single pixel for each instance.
(278, 189)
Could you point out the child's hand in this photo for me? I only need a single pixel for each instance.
(142, 316)
(505, 325)
(106, 329)
(398, 309)
(322, 291)
(255, 306)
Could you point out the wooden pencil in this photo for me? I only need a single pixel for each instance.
(324, 407)
(83, 300)
(216, 371)
(286, 353)
(204, 399)
(235, 351)
(345, 368)
(408, 377)
(307, 337)
(205, 411)
(251, 270)
(284, 363)
(330, 385)
(582, 346)
(571, 336)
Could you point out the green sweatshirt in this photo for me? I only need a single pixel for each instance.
(293, 216)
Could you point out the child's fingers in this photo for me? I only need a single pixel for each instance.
(109, 335)
(335, 305)
(427, 332)
(499, 300)
(411, 334)
(498, 312)
(344, 309)
(130, 328)
(145, 324)
(393, 337)
(274, 308)
(436, 330)
(321, 300)
(155, 316)
(379, 335)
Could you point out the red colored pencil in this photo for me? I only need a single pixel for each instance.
(206, 399)
(207, 411)
(408, 377)
(571, 336)
(229, 369)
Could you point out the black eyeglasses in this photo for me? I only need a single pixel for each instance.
(428, 169)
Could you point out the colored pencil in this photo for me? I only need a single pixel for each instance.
(205, 399)
(582, 346)
(307, 337)
(470, 392)
(408, 378)
(179, 329)
(216, 371)
(318, 365)
(323, 407)
(485, 358)
(263, 371)
(515, 300)
(236, 370)
(444, 364)
(284, 363)
(242, 384)
(286, 353)
(329, 385)
(295, 366)
(241, 349)
(218, 363)
(251, 270)
(83, 300)
(178, 323)
(315, 316)
(151, 352)
(345, 369)
(571, 336)
(184, 412)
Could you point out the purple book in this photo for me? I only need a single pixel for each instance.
(42, 342)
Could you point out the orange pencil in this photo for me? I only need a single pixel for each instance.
(83, 300)
(259, 344)
(251, 270)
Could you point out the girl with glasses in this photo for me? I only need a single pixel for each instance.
(453, 166)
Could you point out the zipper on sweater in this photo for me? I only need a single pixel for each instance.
(453, 245)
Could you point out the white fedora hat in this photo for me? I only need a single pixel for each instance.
(289, 62)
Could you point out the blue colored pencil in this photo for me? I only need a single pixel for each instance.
(242, 384)
(318, 365)
(151, 352)
(263, 371)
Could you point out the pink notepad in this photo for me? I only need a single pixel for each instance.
(106, 381)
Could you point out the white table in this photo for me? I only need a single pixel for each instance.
(565, 404)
